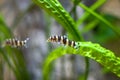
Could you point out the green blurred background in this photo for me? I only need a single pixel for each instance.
(22, 18)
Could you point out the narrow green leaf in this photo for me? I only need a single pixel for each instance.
(96, 5)
(4, 29)
(90, 26)
(54, 8)
(115, 29)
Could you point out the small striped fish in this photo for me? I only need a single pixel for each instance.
(62, 40)
(15, 42)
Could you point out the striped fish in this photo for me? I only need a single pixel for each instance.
(62, 40)
(16, 43)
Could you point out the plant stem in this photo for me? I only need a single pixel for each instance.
(86, 68)
(86, 58)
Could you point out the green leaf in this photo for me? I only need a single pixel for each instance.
(4, 30)
(115, 29)
(94, 51)
(55, 9)
(93, 7)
